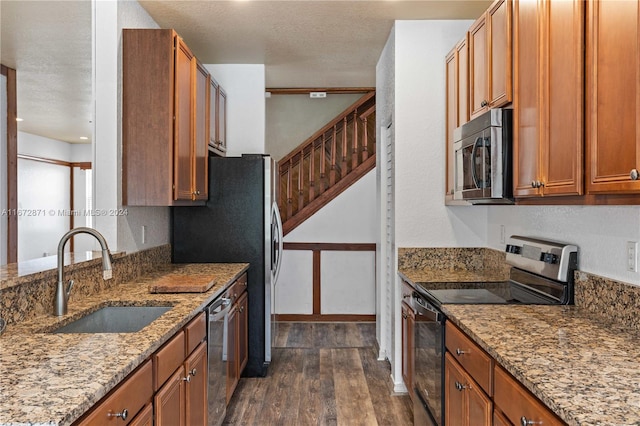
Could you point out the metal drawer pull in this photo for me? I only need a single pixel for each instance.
(187, 379)
(193, 372)
(461, 387)
(406, 296)
(460, 352)
(634, 174)
(123, 415)
(525, 422)
(484, 103)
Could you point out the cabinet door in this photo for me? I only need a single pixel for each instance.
(201, 134)
(182, 122)
(499, 55)
(144, 417)
(462, 59)
(562, 87)
(613, 98)
(196, 387)
(479, 406)
(213, 113)
(243, 332)
(454, 398)
(451, 65)
(232, 352)
(169, 401)
(478, 96)
(527, 110)
(222, 119)
(408, 347)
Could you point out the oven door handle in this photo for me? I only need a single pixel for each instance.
(425, 309)
(474, 172)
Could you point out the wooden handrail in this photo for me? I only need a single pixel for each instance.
(344, 143)
(329, 125)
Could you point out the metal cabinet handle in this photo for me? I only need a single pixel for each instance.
(460, 352)
(123, 414)
(193, 372)
(484, 103)
(241, 309)
(460, 386)
(537, 184)
(634, 174)
(404, 315)
(187, 379)
(406, 296)
(525, 422)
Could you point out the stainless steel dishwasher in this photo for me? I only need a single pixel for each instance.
(217, 314)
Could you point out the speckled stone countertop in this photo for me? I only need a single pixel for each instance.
(52, 379)
(416, 276)
(582, 367)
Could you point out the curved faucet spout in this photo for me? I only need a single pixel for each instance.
(62, 294)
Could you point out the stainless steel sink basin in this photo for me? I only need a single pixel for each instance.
(115, 319)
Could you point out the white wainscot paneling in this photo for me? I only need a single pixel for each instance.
(294, 289)
(348, 283)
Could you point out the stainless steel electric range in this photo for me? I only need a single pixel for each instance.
(541, 274)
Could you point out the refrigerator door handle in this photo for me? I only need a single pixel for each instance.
(278, 222)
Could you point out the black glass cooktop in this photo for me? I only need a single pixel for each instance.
(504, 292)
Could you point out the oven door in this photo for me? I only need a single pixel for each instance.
(473, 166)
(429, 356)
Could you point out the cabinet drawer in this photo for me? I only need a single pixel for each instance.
(407, 292)
(474, 360)
(168, 358)
(195, 332)
(131, 395)
(237, 288)
(517, 403)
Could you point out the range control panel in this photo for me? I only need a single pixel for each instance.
(551, 259)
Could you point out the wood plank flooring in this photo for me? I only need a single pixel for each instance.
(321, 374)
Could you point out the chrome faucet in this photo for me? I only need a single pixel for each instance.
(62, 294)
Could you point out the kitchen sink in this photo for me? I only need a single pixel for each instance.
(115, 319)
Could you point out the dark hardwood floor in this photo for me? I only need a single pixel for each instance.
(321, 374)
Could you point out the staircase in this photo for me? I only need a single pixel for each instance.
(328, 162)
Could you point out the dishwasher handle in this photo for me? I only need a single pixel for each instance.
(424, 308)
(218, 309)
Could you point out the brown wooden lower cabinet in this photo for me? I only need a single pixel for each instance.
(144, 417)
(169, 389)
(122, 404)
(408, 347)
(518, 404)
(501, 401)
(237, 334)
(465, 402)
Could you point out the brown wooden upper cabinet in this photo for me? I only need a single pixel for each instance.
(457, 69)
(613, 97)
(218, 119)
(164, 120)
(490, 67)
(548, 102)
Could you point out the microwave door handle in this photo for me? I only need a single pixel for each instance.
(473, 158)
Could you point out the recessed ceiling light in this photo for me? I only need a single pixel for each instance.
(19, 119)
(84, 138)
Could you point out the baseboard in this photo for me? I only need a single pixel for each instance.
(326, 317)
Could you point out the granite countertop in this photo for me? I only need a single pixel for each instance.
(52, 379)
(584, 368)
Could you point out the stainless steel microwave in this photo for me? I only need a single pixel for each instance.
(483, 167)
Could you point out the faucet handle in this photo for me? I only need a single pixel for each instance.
(69, 287)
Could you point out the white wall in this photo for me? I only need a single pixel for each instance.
(245, 88)
(349, 218)
(600, 232)
(291, 119)
(155, 219)
(422, 220)
(348, 284)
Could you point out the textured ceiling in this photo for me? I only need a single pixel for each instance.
(302, 43)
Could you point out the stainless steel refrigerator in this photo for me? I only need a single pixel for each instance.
(239, 223)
